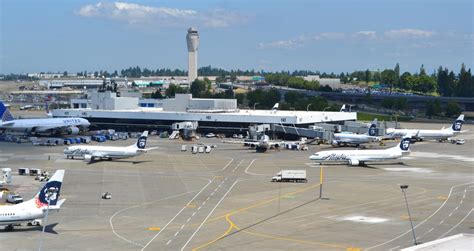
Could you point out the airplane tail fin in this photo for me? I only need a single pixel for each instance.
(343, 108)
(5, 114)
(373, 128)
(48, 112)
(275, 107)
(457, 124)
(404, 144)
(50, 191)
(141, 142)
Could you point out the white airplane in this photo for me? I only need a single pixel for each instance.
(265, 143)
(422, 134)
(36, 208)
(47, 125)
(360, 157)
(91, 153)
(348, 138)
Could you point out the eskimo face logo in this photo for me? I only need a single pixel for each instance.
(457, 125)
(42, 199)
(405, 144)
(372, 130)
(141, 143)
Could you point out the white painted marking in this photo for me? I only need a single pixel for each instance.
(147, 203)
(441, 156)
(430, 230)
(181, 228)
(365, 219)
(464, 196)
(219, 186)
(422, 222)
(204, 203)
(212, 194)
(226, 178)
(251, 173)
(199, 208)
(394, 248)
(450, 214)
(156, 235)
(461, 202)
(409, 169)
(215, 190)
(193, 214)
(176, 234)
(441, 222)
(209, 215)
(456, 208)
(455, 226)
(188, 219)
(206, 200)
(168, 242)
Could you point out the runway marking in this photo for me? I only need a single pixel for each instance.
(450, 214)
(251, 173)
(455, 226)
(199, 208)
(207, 199)
(154, 228)
(181, 228)
(169, 222)
(441, 222)
(209, 215)
(188, 219)
(147, 203)
(245, 209)
(422, 222)
(169, 241)
(193, 214)
(456, 208)
(176, 234)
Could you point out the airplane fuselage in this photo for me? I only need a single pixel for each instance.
(44, 125)
(111, 152)
(356, 156)
(19, 213)
(355, 139)
(422, 134)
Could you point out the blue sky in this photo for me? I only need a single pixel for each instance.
(330, 36)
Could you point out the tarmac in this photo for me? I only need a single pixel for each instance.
(167, 199)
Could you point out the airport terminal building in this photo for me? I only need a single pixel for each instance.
(106, 110)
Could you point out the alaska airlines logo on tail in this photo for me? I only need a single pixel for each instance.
(41, 199)
(457, 125)
(405, 144)
(141, 143)
(372, 130)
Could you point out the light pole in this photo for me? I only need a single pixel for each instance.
(307, 107)
(255, 105)
(404, 188)
(49, 193)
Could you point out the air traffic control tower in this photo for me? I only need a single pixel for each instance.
(192, 39)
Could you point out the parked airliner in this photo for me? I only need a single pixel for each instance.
(35, 208)
(348, 138)
(360, 157)
(422, 134)
(91, 153)
(37, 126)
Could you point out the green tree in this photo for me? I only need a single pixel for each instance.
(466, 83)
(173, 89)
(157, 94)
(405, 81)
(292, 97)
(453, 109)
(367, 76)
(424, 84)
(199, 88)
(389, 77)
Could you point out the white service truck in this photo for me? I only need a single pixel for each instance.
(290, 175)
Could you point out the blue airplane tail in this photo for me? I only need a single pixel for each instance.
(50, 191)
(5, 113)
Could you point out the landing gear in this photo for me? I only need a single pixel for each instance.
(9, 228)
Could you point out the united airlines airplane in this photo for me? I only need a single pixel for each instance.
(360, 157)
(347, 138)
(91, 153)
(35, 208)
(421, 134)
(37, 126)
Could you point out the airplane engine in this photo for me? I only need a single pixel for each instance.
(87, 157)
(354, 162)
(252, 145)
(73, 130)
